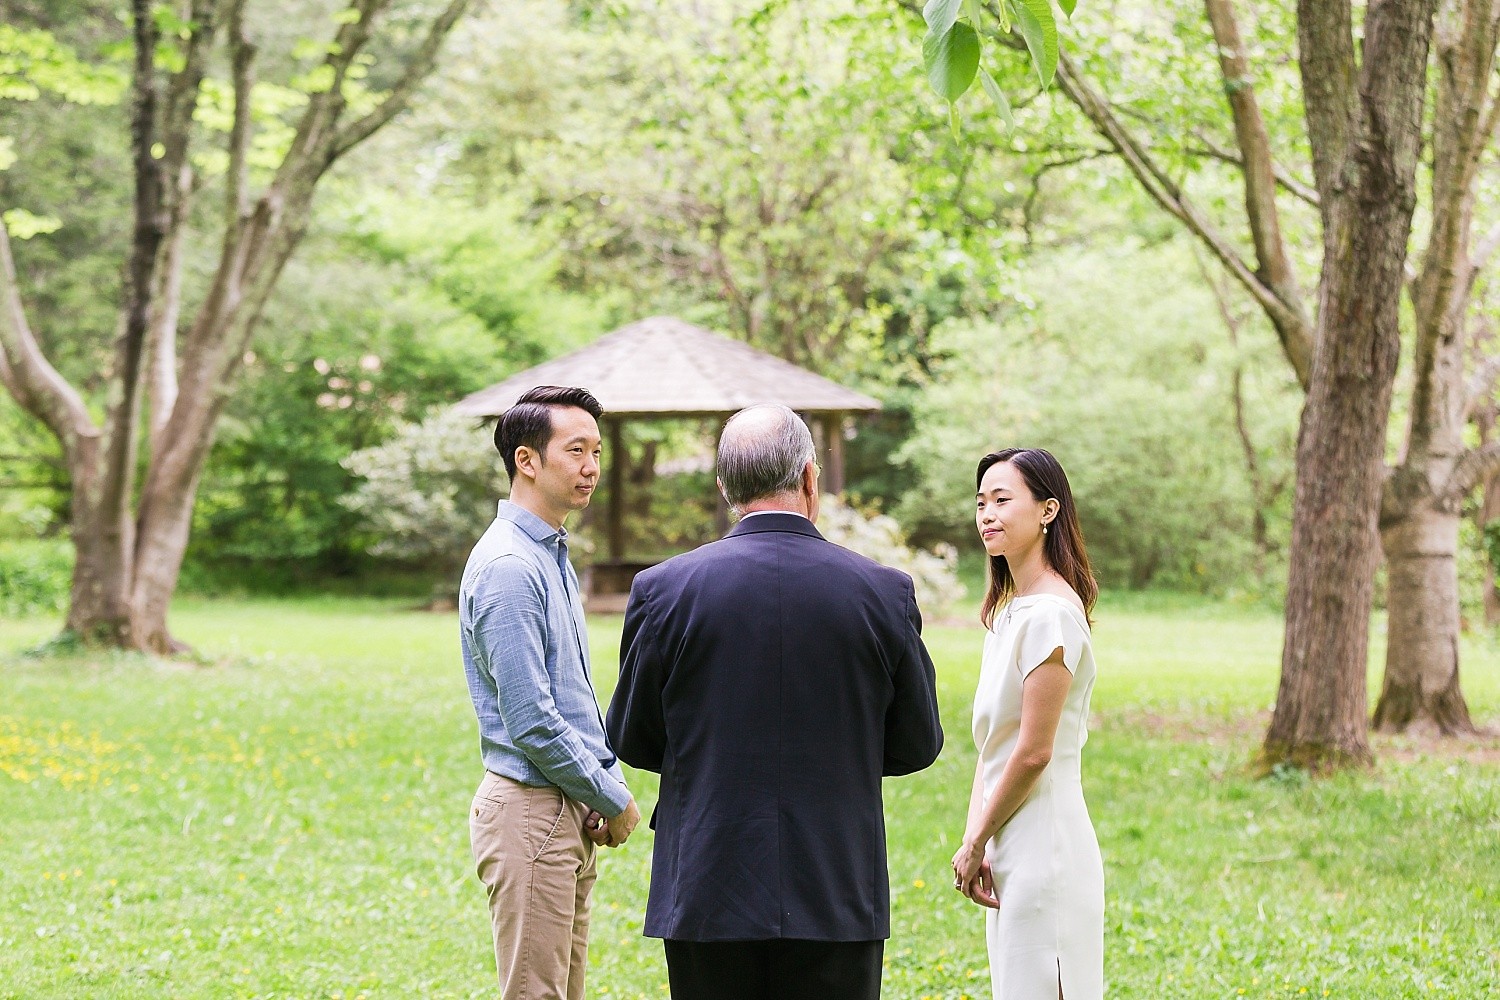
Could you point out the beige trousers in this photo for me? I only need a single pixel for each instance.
(537, 864)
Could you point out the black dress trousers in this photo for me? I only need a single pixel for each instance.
(782, 969)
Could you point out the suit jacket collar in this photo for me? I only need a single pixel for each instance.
(774, 521)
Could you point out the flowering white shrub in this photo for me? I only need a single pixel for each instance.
(430, 491)
(879, 537)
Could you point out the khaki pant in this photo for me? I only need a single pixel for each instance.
(537, 863)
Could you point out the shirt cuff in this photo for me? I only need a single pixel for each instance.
(614, 793)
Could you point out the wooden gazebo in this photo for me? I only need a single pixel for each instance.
(664, 368)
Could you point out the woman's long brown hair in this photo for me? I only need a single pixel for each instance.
(1062, 545)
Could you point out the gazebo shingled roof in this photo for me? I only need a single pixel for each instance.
(662, 366)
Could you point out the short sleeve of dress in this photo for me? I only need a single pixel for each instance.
(1046, 628)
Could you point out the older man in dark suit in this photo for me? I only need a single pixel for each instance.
(772, 678)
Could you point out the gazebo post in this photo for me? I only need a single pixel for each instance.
(833, 447)
(616, 491)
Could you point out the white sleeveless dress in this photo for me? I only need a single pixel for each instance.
(1048, 873)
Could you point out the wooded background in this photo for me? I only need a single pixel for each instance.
(1228, 260)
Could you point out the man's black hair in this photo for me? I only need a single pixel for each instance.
(529, 422)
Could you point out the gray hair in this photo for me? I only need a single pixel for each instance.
(762, 452)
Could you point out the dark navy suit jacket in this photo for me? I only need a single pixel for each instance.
(772, 678)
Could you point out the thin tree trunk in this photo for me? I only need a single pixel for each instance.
(1261, 496)
(1419, 530)
(104, 469)
(1489, 510)
(1420, 521)
(1421, 688)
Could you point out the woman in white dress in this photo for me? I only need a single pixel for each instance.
(1029, 853)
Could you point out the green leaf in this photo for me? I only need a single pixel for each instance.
(1068, 6)
(316, 80)
(952, 58)
(998, 97)
(169, 24)
(23, 225)
(1039, 28)
(974, 12)
(940, 15)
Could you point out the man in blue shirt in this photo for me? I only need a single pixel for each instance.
(552, 789)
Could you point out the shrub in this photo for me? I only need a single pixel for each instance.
(429, 492)
(934, 573)
(35, 575)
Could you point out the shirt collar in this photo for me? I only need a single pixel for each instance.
(537, 529)
(756, 513)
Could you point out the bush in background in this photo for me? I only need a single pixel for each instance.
(35, 575)
(934, 573)
(428, 493)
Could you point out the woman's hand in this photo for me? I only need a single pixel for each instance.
(972, 876)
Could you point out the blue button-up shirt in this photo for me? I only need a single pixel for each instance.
(526, 656)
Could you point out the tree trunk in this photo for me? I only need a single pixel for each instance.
(1421, 688)
(1419, 529)
(1489, 510)
(1320, 718)
(1364, 123)
(99, 603)
(159, 554)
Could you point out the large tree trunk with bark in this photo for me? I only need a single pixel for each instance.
(1364, 122)
(99, 602)
(1320, 718)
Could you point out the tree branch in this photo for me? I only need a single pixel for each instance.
(1481, 385)
(417, 70)
(29, 376)
(1292, 326)
(242, 58)
(1255, 148)
(1464, 51)
(181, 98)
(1291, 185)
(1476, 465)
(1289, 318)
(1028, 207)
(1329, 66)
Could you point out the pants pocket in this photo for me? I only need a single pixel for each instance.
(545, 810)
(487, 833)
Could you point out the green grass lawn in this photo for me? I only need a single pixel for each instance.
(292, 823)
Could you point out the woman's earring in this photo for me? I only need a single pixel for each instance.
(1044, 529)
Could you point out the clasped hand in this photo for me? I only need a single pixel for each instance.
(972, 875)
(612, 831)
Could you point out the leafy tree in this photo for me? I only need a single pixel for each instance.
(200, 121)
(1359, 123)
(397, 305)
(1111, 371)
